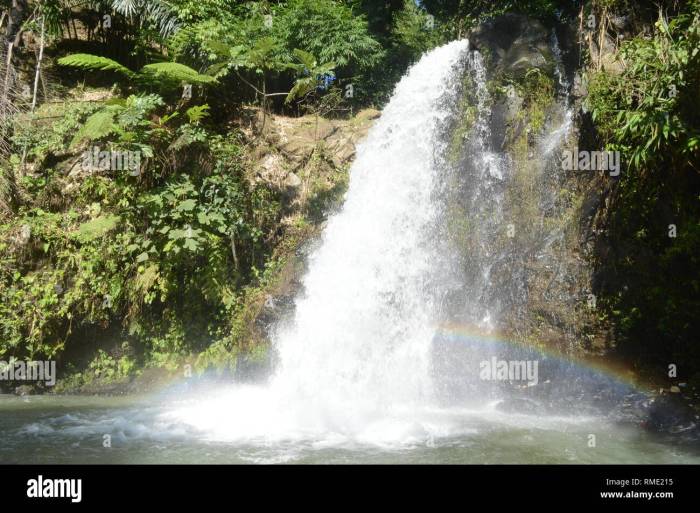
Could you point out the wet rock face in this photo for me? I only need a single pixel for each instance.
(542, 276)
(305, 160)
(513, 43)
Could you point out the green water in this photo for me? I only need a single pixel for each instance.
(56, 429)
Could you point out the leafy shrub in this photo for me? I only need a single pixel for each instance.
(649, 278)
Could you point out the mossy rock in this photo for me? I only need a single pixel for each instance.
(514, 44)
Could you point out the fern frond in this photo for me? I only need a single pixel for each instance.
(301, 88)
(98, 125)
(174, 71)
(305, 58)
(197, 113)
(94, 63)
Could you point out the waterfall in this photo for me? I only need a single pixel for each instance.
(410, 291)
(478, 188)
(355, 360)
(371, 297)
(555, 139)
(364, 360)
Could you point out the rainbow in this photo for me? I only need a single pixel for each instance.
(495, 340)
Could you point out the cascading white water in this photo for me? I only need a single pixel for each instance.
(362, 362)
(558, 135)
(355, 360)
(363, 327)
(482, 178)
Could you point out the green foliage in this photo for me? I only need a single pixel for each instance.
(262, 56)
(173, 71)
(415, 31)
(157, 12)
(170, 74)
(42, 139)
(152, 253)
(649, 110)
(94, 63)
(98, 125)
(329, 30)
(466, 13)
(96, 228)
(650, 279)
(245, 47)
(107, 368)
(537, 89)
(311, 74)
(194, 10)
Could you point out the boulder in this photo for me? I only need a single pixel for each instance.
(292, 181)
(513, 44)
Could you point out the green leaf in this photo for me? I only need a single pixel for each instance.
(95, 63)
(197, 113)
(98, 125)
(190, 244)
(174, 71)
(97, 227)
(305, 58)
(176, 234)
(187, 205)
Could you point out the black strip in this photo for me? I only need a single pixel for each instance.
(463, 487)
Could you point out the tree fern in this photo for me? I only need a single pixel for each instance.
(94, 63)
(174, 71)
(160, 71)
(305, 58)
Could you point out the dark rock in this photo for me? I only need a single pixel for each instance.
(514, 43)
(670, 414)
(23, 390)
(621, 23)
(580, 89)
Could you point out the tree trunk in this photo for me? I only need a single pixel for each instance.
(38, 64)
(234, 253)
(264, 105)
(6, 86)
